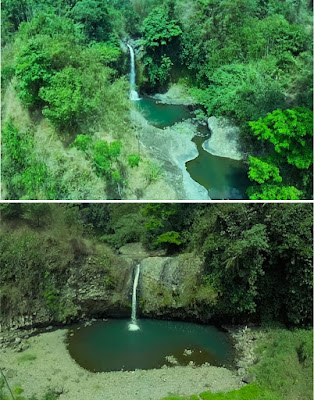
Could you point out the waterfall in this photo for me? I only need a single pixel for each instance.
(133, 93)
(133, 325)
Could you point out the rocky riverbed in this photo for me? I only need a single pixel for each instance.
(171, 148)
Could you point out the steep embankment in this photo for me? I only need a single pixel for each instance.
(75, 279)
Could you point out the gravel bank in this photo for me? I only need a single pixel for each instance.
(46, 364)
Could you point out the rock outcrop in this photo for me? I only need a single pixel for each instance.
(177, 94)
(224, 140)
(166, 286)
(166, 289)
(171, 148)
(82, 295)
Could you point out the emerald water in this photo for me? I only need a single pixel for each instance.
(162, 115)
(222, 177)
(110, 346)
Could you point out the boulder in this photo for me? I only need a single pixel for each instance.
(224, 140)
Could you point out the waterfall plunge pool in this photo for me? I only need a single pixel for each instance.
(110, 346)
(162, 115)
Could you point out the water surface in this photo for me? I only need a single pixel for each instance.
(162, 115)
(222, 177)
(110, 346)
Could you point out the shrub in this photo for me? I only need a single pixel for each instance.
(82, 142)
(134, 160)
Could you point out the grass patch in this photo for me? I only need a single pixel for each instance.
(248, 392)
(27, 357)
(193, 397)
(285, 363)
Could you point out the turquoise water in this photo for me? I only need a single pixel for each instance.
(110, 346)
(162, 115)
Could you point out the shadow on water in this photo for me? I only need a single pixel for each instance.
(110, 346)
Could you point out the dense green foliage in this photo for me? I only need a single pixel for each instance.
(255, 254)
(160, 33)
(257, 258)
(27, 178)
(290, 133)
(65, 63)
(242, 60)
(248, 392)
(246, 60)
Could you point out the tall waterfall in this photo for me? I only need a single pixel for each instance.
(133, 93)
(133, 325)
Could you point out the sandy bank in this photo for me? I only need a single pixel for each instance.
(50, 367)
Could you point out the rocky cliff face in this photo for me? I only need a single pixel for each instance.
(167, 286)
(87, 292)
(166, 290)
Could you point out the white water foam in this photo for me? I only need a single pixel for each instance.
(133, 93)
(133, 324)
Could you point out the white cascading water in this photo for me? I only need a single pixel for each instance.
(133, 93)
(133, 325)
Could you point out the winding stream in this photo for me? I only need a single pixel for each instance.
(224, 178)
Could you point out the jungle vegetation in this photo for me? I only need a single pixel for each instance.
(257, 257)
(257, 270)
(65, 90)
